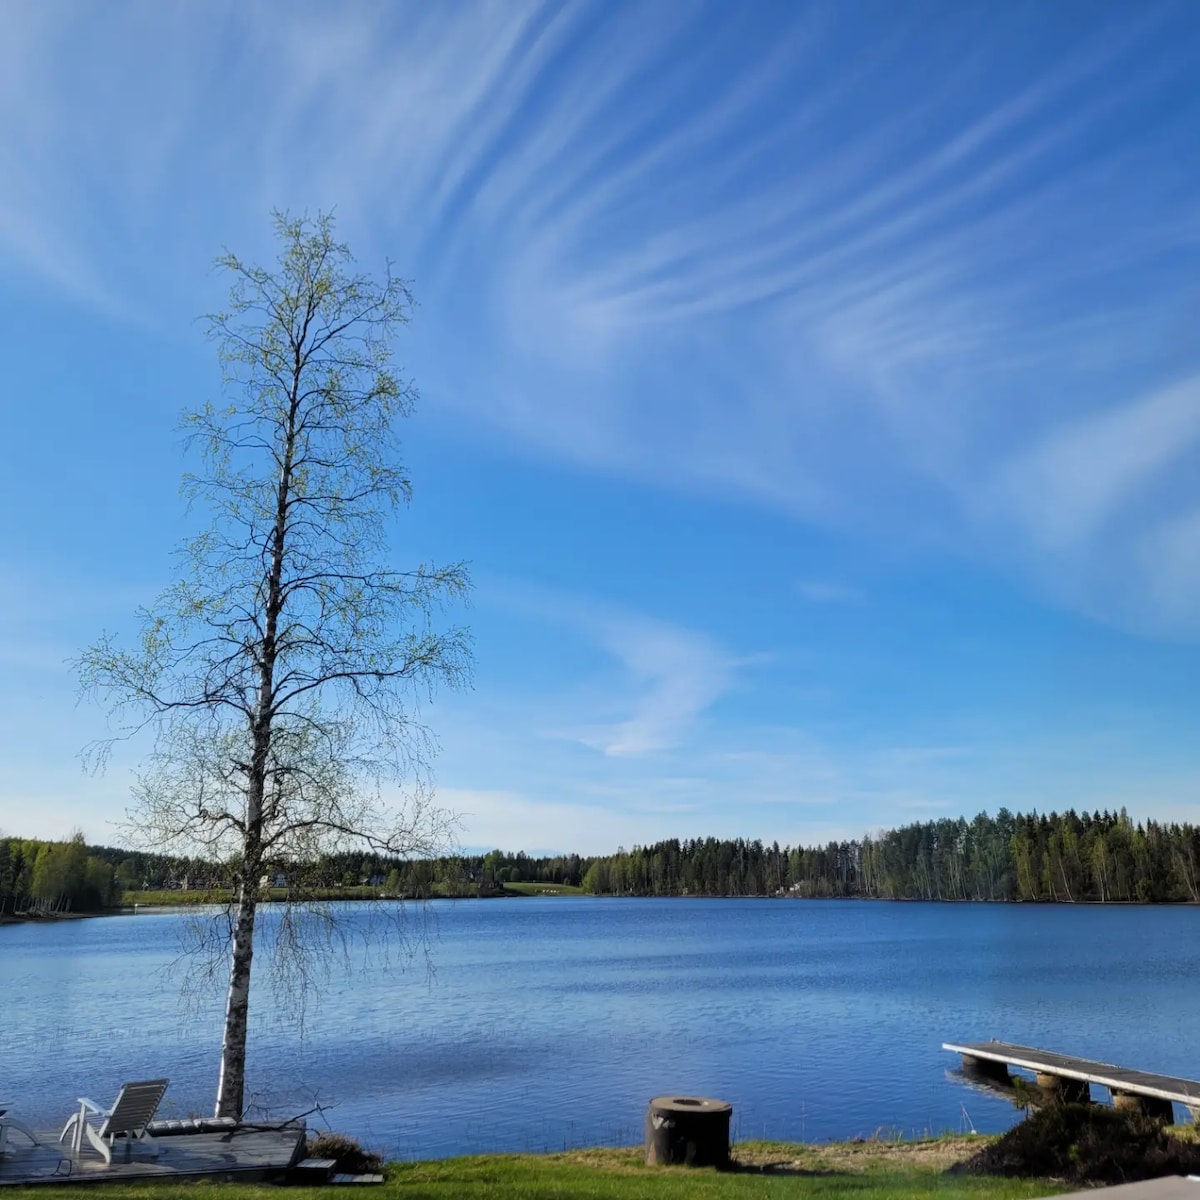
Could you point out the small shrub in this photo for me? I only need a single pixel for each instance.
(1025, 1096)
(1085, 1143)
(346, 1151)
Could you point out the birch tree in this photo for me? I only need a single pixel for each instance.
(283, 670)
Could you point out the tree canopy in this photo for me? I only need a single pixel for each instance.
(283, 670)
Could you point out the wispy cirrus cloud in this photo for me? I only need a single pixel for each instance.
(849, 278)
(655, 681)
(1101, 508)
(676, 676)
(1081, 477)
(920, 277)
(1067, 487)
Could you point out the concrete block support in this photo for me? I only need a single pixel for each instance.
(1149, 1106)
(1069, 1091)
(986, 1068)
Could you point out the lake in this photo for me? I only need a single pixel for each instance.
(549, 1022)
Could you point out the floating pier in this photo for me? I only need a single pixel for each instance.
(1066, 1077)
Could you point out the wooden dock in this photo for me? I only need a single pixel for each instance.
(1070, 1078)
(245, 1153)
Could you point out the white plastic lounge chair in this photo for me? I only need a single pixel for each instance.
(131, 1112)
(7, 1122)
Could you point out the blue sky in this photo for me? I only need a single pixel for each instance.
(813, 389)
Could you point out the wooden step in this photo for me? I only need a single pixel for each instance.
(314, 1170)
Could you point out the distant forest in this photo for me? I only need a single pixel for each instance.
(44, 878)
(1059, 857)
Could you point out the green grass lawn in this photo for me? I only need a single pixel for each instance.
(866, 1171)
(621, 1175)
(175, 899)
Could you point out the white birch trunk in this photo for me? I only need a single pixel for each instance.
(231, 1083)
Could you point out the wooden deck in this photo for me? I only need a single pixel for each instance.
(246, 1153)
(1050, 1068)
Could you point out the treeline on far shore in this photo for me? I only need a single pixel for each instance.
(46, 878)
(1060, 857)
(1057, 857)
(49, 878)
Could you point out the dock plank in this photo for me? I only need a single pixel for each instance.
(1068, 1066)
(245, 1153)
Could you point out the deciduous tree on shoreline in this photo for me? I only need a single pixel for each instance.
(282, 670)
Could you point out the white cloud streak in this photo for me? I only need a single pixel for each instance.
(1068, 486)
(668, 676)
(680, 248)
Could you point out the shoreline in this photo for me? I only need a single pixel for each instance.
(54, 918)
(513, 894)
(165, 902)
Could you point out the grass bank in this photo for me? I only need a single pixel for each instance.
(177, 898)
(873, 1170)
(544, 889)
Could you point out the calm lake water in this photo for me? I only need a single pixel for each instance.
(550, 1022)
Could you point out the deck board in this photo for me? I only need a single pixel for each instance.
(1109, 1075)
(246, 1153)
